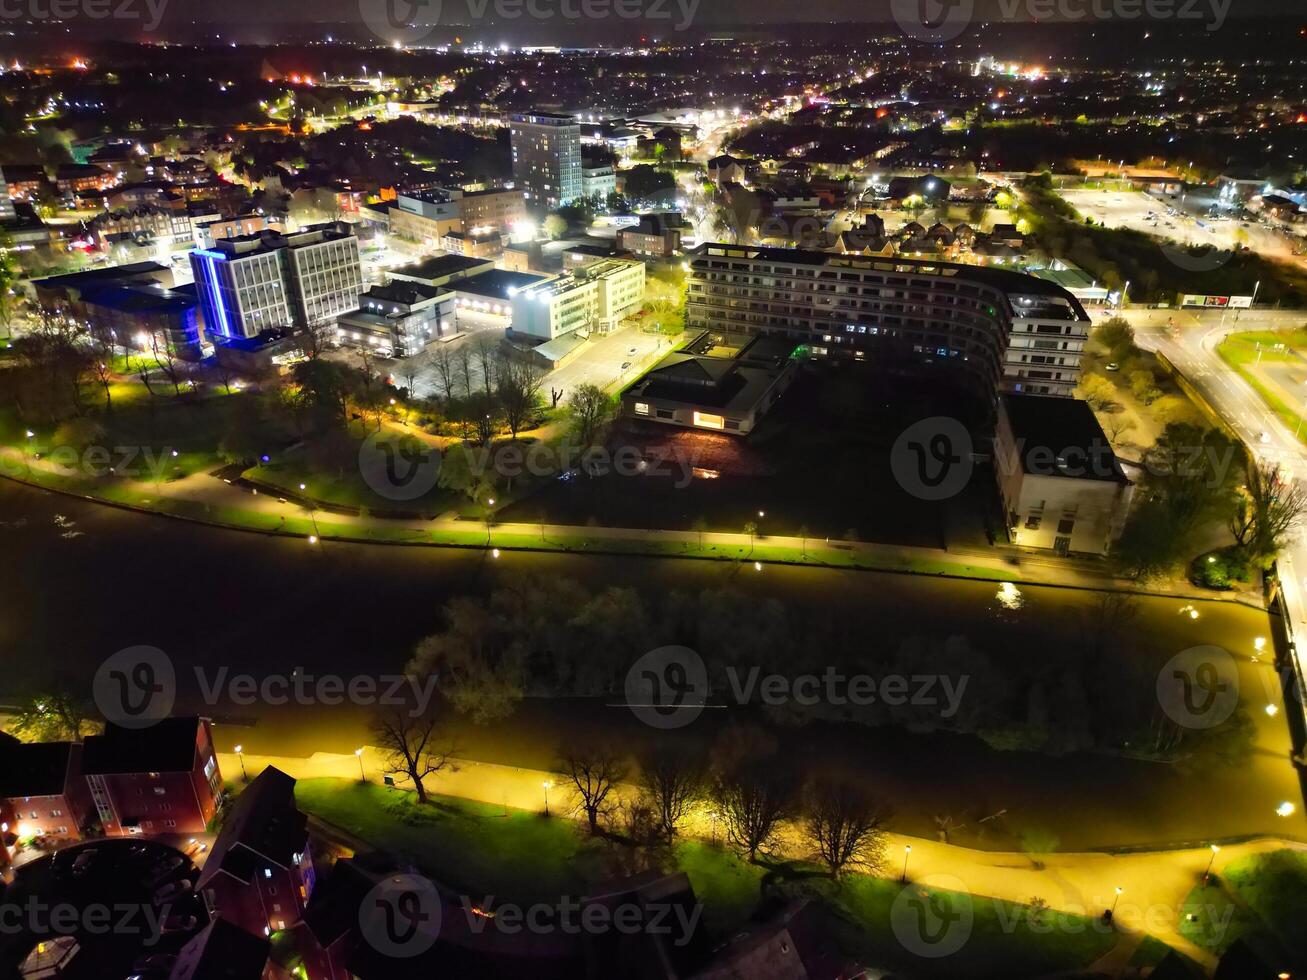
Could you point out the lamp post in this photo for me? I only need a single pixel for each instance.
(546, 784)
(1112, 912)
(490, 503)
(244, 774)
(313, 515)
(907, 853)
(30, 436)
(1207, 874)
(363, 776)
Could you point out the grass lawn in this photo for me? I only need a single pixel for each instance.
(481, 849)
(1261, 899)
(476, 848)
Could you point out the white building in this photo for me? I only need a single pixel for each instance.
(598, 181)
(594, 299)
(269, 279)
(1060, 483)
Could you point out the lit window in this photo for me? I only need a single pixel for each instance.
(641, 408)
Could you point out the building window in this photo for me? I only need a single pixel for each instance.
(706, 421)
(641, 408)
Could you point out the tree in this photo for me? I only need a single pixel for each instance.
(591, 408)
(480, 664)
(1274, 506)
(484, 349)
(1144, 386)
(555, 226)
(671, 782)
(165, 359)
(517, 385)
(1098, 391)
(52, 716)
(413, 745)
(846, 824)
(699, 526)
(1117, 337)
(247, 431)
(9, 300)
(753, 797)
(444, 364)
(593, 768)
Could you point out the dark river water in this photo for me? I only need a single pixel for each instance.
(81, 581)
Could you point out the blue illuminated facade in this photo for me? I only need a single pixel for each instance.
(204, 265)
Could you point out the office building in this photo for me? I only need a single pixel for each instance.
(401, 318)
(270, 279)
(598, 180)
(546, 158)
(498, 210)
(996, 329)
(589, 300)
(425, 218)
(6, 205)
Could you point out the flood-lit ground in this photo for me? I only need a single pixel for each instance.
(261, 605)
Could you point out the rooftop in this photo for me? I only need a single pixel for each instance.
(33, 768)
(439, 267)
(264, 825)
(1061, 437)
(499, 283)
(166, 746)
(222, 951)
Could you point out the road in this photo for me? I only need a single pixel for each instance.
(1191, 347)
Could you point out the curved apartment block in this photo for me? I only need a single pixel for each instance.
(1005, 331)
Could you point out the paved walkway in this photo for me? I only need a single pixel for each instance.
(207, 498)
(1153, 884)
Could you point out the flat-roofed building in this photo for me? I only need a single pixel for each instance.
(425, 218)
(441, 270)
(483, 245)
(718, 381)
(546, 157)
(593, 299)
(495, 209)
(253, 283)
(401, 317)
(1061, 485)
(995, 329)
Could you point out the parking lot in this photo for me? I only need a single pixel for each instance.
(1189, 225)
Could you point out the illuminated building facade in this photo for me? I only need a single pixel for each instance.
(269, 279)
(999, 330)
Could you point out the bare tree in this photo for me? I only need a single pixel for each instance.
(463, 363)
(485, 351)
(413, 744)
(443, 362)
(517, 382)
(671, 781)
(591, 407)
(846, 824)
(593, 769)
(1268, 510)
(165, 358)
(753, 798)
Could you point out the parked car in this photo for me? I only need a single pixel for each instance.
(1111, 366)
(83, 861)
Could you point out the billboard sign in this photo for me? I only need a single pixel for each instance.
(1218, 302)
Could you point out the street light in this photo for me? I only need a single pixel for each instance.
(907, 852)
(490, 503)
(1285, 809)
(1206, 874)
(546, 784)
(244, 774)
(1114, 901)
(358, 754)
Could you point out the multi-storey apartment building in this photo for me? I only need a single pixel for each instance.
(594, 299)
(6, 205)
(260, 872)
(272, 279)
(42, 792)
(546, 157)
(158, 780)
(1003, 330)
